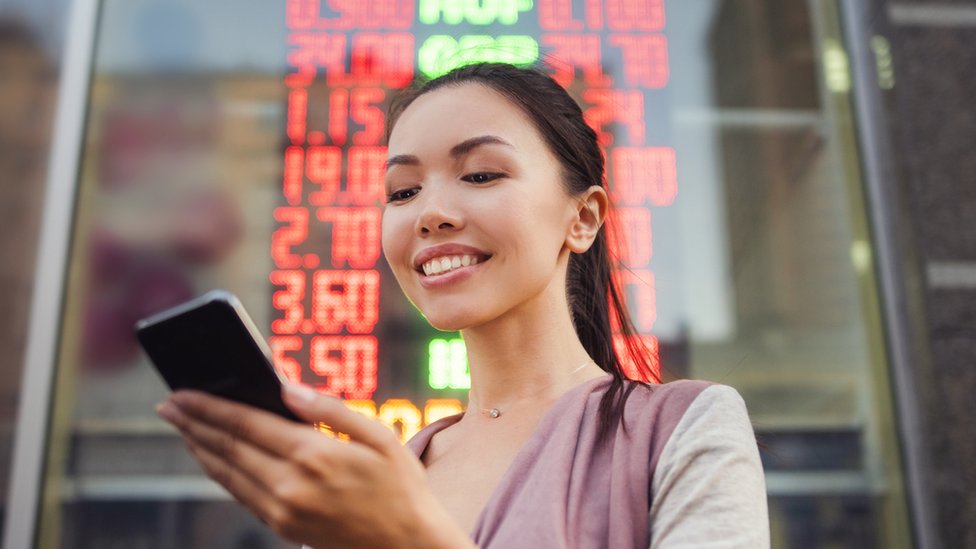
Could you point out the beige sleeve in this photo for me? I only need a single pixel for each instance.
(708, 489)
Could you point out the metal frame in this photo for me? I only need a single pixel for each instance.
(882, 204)
(26, 474)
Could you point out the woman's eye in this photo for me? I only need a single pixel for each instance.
(481, 177)
(401, 195)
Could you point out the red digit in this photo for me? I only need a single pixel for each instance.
(630, 237)
(636, 15)
(355, 235)
(293, 233)
(364, 110)
(347, 299)
(638, 284)
(623, 106)
(644, 173)
(297, 115)
(349, 364)
(287, 365)
(323, 166)
(294, 175)
(558, 15)
(290, 300)
(569, 51)
(338, 109)
(645, 59)
(325, 359)
(367, 168)
(315, 50)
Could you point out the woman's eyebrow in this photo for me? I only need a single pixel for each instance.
(456, 151)
(402, 159)
(467, 145)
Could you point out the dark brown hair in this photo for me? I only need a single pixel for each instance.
(596, 299)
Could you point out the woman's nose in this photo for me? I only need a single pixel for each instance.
(438, 214)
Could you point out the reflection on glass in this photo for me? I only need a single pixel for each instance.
(240, 147)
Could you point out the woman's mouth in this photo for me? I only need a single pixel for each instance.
(447, 263)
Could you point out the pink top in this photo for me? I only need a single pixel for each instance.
(564, 489)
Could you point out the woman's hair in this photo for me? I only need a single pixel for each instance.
(595, 297)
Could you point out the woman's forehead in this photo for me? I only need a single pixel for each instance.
(457, 112)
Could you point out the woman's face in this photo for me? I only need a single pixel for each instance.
(477, 218)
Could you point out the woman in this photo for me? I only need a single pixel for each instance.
(493, 226)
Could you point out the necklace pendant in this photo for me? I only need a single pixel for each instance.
(494, 413)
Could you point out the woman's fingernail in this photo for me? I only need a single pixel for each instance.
(301, 393)
(166, 411)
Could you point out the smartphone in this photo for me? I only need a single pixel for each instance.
(211, 344)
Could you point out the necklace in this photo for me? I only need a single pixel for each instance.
(495, 413)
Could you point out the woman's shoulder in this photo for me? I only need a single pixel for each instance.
(682, 391)
(685, 406)
(691, 412)
(676, 397)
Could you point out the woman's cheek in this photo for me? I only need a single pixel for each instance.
(394, 241)
(387, 230)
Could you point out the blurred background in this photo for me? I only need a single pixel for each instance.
(795, 197)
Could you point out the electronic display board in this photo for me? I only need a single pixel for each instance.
(346, 59)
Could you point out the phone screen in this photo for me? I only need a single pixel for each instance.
(210, 344)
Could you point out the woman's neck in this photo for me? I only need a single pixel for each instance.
(531, 354)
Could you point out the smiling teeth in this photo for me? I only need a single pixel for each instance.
(444, 264)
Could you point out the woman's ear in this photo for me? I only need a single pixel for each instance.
(591, 211)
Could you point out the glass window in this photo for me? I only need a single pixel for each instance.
(31, 33)
(241, 147)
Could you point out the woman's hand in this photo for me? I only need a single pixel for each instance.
(311, 487)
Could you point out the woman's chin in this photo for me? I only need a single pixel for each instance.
(448, 325)
(451, 321)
